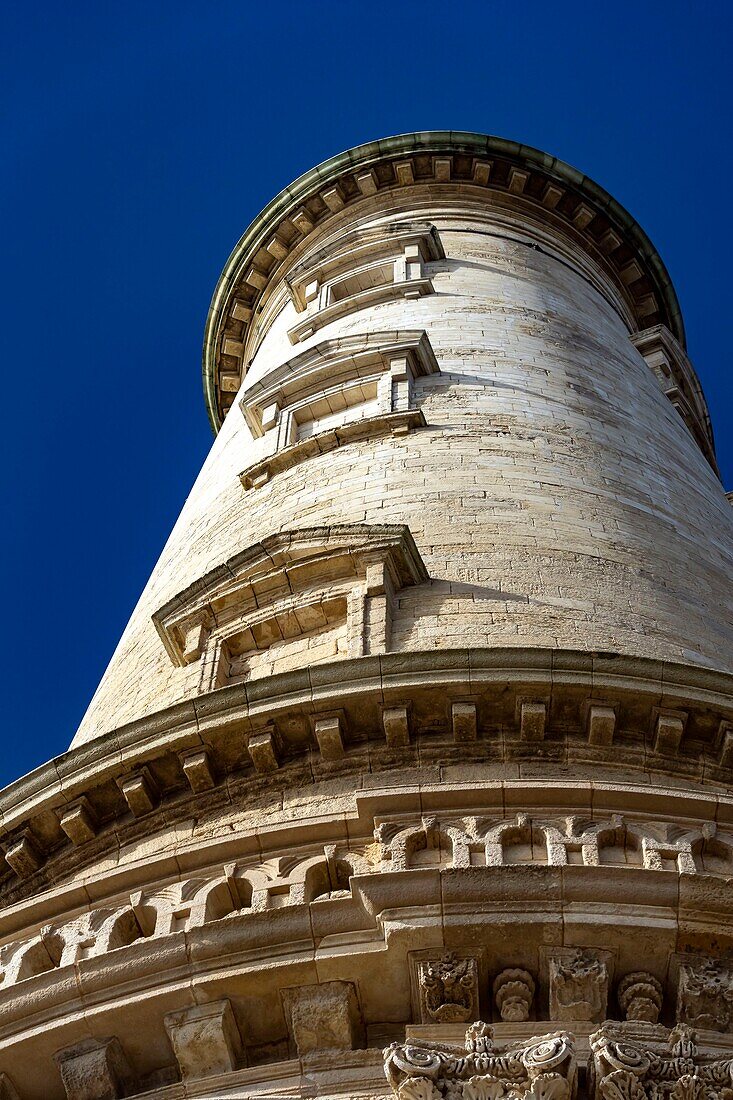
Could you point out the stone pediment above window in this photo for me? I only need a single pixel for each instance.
(341, 390)
(296, 598)
(366, 267)
(674, 372)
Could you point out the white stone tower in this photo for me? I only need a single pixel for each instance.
(425, 716)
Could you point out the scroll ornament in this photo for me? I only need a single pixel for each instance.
(542, 1068)
(652, 1063)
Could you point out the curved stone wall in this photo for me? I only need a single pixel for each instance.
(555, 494)
(411, 775)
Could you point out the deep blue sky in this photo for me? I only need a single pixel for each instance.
(138, 142)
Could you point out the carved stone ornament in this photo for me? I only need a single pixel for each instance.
(513, 994)
(578, 987)
(705, 996)
(542, 1068)
(641, 1061)
(640, 997)
(448, 989)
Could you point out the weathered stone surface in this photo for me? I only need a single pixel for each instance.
(448, 989)
(95, 1070)
(705, 995)
(423, 1070)
(324, 1017)
(514, 991)
(205, 1040)
(578, 987)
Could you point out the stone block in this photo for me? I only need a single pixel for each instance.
(367, 182)
(405, 173)
(324, 1017)
(532, 719)
(578, 987)
(396, 724)
(517, 180)
(79, 822)
(601, 725)
(198, 771)
(448, 989)
(334, 198)
(463, 718)
(668, 733)
(328, 729)
(205, 1040)
(23, 855)
(262, 748)
(95, 1069)
(705, 995)
(140, 792)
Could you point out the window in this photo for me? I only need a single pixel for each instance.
(295, 599)
(364, 268)
(339, 391)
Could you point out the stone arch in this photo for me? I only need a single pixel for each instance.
(37, 957)
(220, 898)
(119, 930)
(619, 845)
(713, 855)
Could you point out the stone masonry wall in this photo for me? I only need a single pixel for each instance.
(555, 494)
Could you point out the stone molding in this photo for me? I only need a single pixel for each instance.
(333, 363)
(646, 1062)
(250, 904)
(288, 585)
(352, 431)
(227, 725)
(543, 1069)
(403, 243)
(676, 376)
(488, 165)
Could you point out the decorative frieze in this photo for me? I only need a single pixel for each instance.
(514, 991)
(448, 988)
(542, 1069)
(705, 995)
(640, 996)
(637, 1061)
(578, 987)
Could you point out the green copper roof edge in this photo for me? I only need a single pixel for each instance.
(362, 156)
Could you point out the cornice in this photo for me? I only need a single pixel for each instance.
(512, 708)
(490, 164)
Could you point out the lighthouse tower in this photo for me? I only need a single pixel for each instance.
(410, 776)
